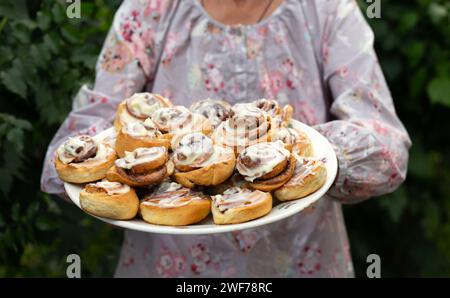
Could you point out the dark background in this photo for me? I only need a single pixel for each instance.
(45, 57)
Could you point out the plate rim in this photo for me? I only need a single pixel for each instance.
(136, 223)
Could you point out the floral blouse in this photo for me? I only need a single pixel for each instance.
(316, 55)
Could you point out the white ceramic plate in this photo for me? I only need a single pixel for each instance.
(322, 148)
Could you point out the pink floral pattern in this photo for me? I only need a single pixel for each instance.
(316, 55)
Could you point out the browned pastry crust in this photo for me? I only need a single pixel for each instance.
(178, 207)
(243, 213)
(144, 179)
(212, 174)
(276, 181)
(122, 108)
(125, 142)
(121, 206)
(298, 188)
(85, 171)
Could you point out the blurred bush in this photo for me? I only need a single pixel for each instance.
(45, 57)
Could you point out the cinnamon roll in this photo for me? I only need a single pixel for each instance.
(267, 166)
(138, 108)
(174, 205)
(216, 111)
(142, 167)
(270, 106)
(273, 108)
(237, 205)
(178, 119)
(81, 159)
(199, 162)
(247, 125)
(112, 200)
(236, 180)
(309, 175)
(140, 134)
(295, 139)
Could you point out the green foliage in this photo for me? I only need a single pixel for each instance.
(409, 229)
(45, 57)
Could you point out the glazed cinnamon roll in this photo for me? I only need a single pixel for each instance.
(270, 106)
(112, 200)
(140, 134)
(295, 139)
(142, 167)
(138, 108)
(309, 175)
(216, 111)
(274, 109)
(178, 119)
(267, 166)
(199, 162)
(247, 125)
(174, 205)
(237, 205)
(236, 180)
(81, 159)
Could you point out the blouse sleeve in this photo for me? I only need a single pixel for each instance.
(370, 141)
(126, 65)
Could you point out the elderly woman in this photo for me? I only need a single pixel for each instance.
(315, 55)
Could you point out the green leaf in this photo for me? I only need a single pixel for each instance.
(22, 33)
(71, 34)
(420, 164)
(52, 41)
(6, 54)
(437, 12)
(417, 83)
(415, 53)
(16, 9)
(439, 91)
(13, 81)
(15, 212)
(43, 20)
(395, 204)
(58, 13)
(408, 20)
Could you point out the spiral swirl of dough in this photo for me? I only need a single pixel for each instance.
(193, 150)
(111, 188)
(270, 106)
(236, 197)
(248, 125)
(141, 156)
(173, 119)
(77, 149)
(304, 167)
(143, 105)
(215, 111)
(172, 195)
(142, 129)
(260, 159)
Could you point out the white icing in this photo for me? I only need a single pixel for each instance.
(304, 167)
(143, 104)
(237, 197)
(172, 119)
(194, 147)
(267, 155)
(111, 188)
(67, 151)
(215, 110)
(248, 125)
(172, 195)
(142, 129)
(140, 156)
